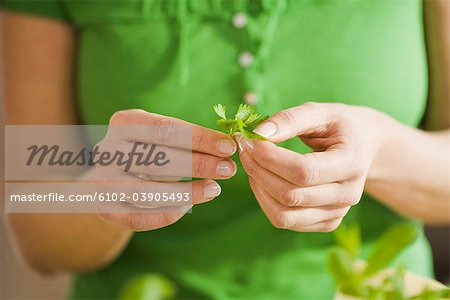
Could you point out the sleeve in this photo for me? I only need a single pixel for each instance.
(52, 9)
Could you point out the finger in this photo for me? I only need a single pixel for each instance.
(289, 194)
(324, 226)
(142, 221)
(294, 218)
(156, 194)
(203, 191)
(180, 163)
(211, 167)
(302, 169)
(200, 191)
(305, 119)
(141, 126)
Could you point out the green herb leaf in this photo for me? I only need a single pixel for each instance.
(373, 293)
(220, 110)
(253, 117)
(341, 265)
(148, 287)
(353, 281)
(390, 244)
(257, 121)
(240, 125)
(349, 238)
(347, 277)
(430, 294)
(244, 111)
(226, 125)
(397, 282)
(245, 120)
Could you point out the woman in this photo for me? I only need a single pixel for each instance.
(363, 63)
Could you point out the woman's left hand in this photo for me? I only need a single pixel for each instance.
(313, 192)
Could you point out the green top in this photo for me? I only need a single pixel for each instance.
(178, 58)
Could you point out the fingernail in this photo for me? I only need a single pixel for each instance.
(225, 168)
(226, 146)
(212, 190)
(238, 138)
(241, 146)
(266, 129)
(248, 144)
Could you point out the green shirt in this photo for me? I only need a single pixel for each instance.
(178, 58)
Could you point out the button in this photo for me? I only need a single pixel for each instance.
(239, 20)
(245, 59)
(251, 98)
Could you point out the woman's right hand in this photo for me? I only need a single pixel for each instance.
(209, 152)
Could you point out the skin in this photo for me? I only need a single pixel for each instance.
(352, 147)
(39, 68)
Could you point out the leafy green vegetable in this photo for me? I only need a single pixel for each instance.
(245, 120)
(148, 287)
(220, 110)
(389, 245)
(340, 263)
(342, 259)
(396, 282)
(353, 280)
(349, 238)
(429, 294)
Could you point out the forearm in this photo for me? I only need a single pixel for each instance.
(67, 242)
(50, 242)
(410, 173)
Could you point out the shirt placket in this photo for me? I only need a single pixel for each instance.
(260, 28)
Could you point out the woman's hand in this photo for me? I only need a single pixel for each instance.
(207, 157)
(312, 192)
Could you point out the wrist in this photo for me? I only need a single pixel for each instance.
(386, 134)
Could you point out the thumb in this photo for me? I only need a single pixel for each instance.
(300, 120)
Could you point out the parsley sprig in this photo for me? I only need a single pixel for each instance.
(245, 120)
(354, 280)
